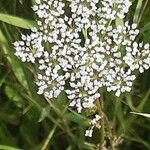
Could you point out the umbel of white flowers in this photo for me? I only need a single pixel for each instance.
(86, 51)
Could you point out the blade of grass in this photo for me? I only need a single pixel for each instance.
(128, 123)
(139, 140)
(143, 101)
(50, 135)
(4, 147)
(15, 64)
(17, 21)
(142, 12)
(141, 114)
(145, 28)
(137, 11)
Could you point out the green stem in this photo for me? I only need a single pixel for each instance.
(50, 135)
(109, 128)
(142, 12)
(102, 130)
(14, 8)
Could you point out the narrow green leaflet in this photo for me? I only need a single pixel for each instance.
(14, 96)
(142, 114)
(3, 147)
(145, 28)
(137, 11)
(44, 113)
(16, 21)
(77, 118)
(48, 139)
(16, 65)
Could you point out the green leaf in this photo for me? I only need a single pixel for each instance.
(6, 138)
(129, 101)
(137, 11)
(14, 96)
(44, 113)
(49, 137)
(141, 114)
(16, 21)
(144, 100)
(3, 76)
(77, 118)
(4, 147)
(145, 28)
(17, 67)
(9, 116)
(139, 140)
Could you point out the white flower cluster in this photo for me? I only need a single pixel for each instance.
(94, 123)
(79, 49)
(115, 8)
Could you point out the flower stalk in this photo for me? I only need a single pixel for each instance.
(100, 106)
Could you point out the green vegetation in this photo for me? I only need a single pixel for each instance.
(29, 122)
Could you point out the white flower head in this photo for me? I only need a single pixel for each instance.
(80, 51)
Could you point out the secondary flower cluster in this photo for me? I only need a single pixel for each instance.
(79, 49)
(94, 123)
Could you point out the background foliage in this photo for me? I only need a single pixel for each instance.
(29, 122)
